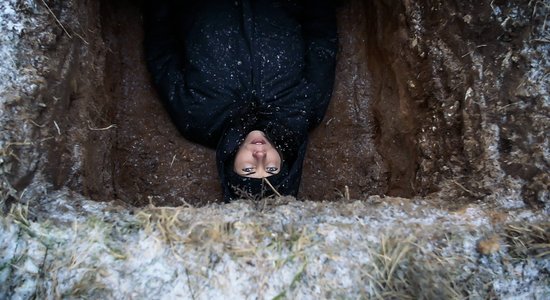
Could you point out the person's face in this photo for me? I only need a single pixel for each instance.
(257, 158)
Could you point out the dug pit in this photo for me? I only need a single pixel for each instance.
(435, 97)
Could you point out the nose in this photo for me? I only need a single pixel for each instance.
(259, 155)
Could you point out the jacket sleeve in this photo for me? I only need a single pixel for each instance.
(321, 44)
(163, 50)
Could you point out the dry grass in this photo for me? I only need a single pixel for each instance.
(19, 214)
(173, 230)
(402, 269)
(247, 243)
(528, 240)
(7, 156)
(81, 264)
(165, 220)
(88, 285)
(388, 258)
(206, 234)
(396, 266)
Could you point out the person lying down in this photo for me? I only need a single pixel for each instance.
(247, 78)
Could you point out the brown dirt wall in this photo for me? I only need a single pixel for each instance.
(428, 97)
(153, 162)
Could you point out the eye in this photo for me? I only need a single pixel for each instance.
(271, 169)
(248, 170)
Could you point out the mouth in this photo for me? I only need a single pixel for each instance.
(258, 142)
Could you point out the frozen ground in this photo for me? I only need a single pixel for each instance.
(11, 26)
(281, 248)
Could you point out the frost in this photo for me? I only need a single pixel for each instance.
(300, 249)
(11, 25)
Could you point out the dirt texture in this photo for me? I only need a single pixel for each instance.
(439, 96)
(444, 103)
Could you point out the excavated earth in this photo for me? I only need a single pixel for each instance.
(427, 97)
(435, 144)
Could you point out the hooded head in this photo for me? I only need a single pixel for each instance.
(257, 156)
(289, 143)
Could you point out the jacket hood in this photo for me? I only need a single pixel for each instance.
(290, 143)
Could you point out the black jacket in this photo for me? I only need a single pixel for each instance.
(223, 68)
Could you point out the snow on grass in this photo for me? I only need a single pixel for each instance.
(381, 247)
(11, 25)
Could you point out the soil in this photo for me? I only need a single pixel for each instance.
(152, 162)
(429, 97)
(442, 102)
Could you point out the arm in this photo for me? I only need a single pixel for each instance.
(163, 56)
(321, 43)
